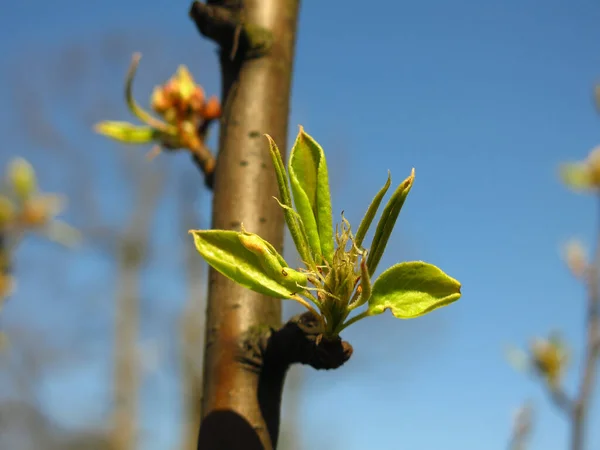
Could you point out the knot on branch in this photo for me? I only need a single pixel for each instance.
(300, 340)
(224, 25)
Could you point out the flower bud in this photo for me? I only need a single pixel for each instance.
(21, 177)
(212, 109)
(35, 213)
(160, 101)
(576, 258)
(185, 83)
(549, 358)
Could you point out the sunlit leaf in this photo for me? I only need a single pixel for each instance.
(252, 263)
(292, 218)
(366, 221)
(387, 221)
(412, 289)
(127, 132)
(310, 187)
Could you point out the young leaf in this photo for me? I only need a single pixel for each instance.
(229, 254)
(272, 262)
(300, 239)
(310, 187)
(387, 222)
(127, 132)
(365, 223)
(412, 289)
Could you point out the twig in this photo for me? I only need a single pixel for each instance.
(272, 352)
(592, 354)
(561, 400)
(234, 416)
(521, 428)
(202, 156)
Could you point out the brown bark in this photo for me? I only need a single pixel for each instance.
(257, 39)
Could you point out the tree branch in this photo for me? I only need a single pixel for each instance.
(269, 353)
(561, 400)
(224, 23)
(256, 39)
(521, 428)
(592, 355)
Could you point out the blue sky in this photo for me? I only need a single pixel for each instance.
(484, 99)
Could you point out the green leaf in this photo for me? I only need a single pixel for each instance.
(293, 220)
(365, 223)
(577, 176)
(127, 132)
(387, 222)
(412, 289)
(310, 188)
(248, 260)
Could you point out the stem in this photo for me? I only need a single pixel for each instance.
(256, 95)
(521, 428)
(136, 109)
(561, 400)
(309, 307)
(356, 318)
(592, 354)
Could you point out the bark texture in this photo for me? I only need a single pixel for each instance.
(256, 40)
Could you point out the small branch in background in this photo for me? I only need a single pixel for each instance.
(203, 158)
(6, 279)
(584, 177)
(561, 400)
(132, 255)
(185, 115)
(24, 209)
(522, 426)
(592, 354)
